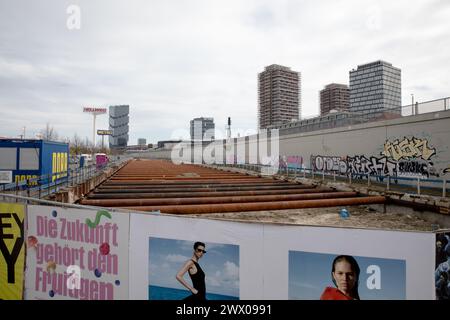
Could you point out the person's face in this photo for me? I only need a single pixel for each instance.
(199, 252)
(344, 276)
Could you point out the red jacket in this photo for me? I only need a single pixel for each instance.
(334, 294)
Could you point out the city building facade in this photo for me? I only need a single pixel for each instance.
(279, 96)
(118, 123)
(375, 88)
(334, 97)
(202, 129)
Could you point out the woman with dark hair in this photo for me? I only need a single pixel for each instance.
(198, 288)
(345, 275)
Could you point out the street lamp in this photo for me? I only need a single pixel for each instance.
(412, 103)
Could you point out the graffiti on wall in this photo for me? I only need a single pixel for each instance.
(295, 161)
(291, 162)
(376, 166)
(361, 165)
(329, 164)
(405, 158)
(408, 149)
(412, 156)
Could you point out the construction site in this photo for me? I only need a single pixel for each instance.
(376, 192)
(239, 194)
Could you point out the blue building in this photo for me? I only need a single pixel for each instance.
(29, 159)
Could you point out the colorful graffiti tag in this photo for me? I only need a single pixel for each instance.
(291, 162)
(405, 158)
(329, 164)
(408, 148)
(361, 165)
(412, 156)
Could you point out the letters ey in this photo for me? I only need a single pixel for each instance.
(10, 257)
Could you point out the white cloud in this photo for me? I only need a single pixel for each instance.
(227, 278)
(231, 271)
(176, 60)
(176, 258)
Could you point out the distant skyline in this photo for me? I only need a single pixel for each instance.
(173, 61)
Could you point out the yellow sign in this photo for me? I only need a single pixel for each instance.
(104, 132)
(59, 165)
(12, 251)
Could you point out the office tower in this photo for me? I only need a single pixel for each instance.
(118, 123)
(334, 97)
(202, 129)
(375, 88)
(279, 96)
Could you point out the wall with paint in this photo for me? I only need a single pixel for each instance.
(100, 255)
(413, 147)
(409, 147)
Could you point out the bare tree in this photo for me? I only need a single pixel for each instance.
(76, 145)
(49, 133)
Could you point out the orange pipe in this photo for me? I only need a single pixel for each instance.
(259, 206)
(204, 194)
(205, 200)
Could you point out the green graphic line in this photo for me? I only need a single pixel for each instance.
(100, 213)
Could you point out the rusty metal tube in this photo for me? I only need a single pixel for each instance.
(190, 180)
(204, 194)
(204, 200)
(201, 189)
(179, 178)
(259, 206)
(191, 185)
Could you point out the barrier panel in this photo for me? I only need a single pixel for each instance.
(95, 253)
(76, 254)
(264, 261)
(12, 251)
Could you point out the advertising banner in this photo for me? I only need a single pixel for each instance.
(12, 250)
(76, 254)
(192, 259)
(341, 263)
(182, 258)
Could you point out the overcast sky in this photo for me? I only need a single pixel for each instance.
(173, 60)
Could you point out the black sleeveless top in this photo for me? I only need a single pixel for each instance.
(198, 281)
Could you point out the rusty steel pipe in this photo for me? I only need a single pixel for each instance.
(201, 189)
(204, 200)
(204, 194)
(176, 178)
(193, 186)
(195, 181)
(177, 175)
(259, 206)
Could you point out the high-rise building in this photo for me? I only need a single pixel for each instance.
(334, 97)
(118, 123)
(279, 96)
(202, 129)
(376, 87)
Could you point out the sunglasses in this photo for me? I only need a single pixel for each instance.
(200, 250)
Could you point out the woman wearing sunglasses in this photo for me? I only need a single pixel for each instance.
(198, 288)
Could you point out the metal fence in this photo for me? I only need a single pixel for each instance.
(48, 184)
(349, 118)
(412, 185)
(12, 198)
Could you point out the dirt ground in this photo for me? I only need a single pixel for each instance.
(359, 217)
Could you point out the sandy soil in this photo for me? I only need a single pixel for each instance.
(360, 217)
